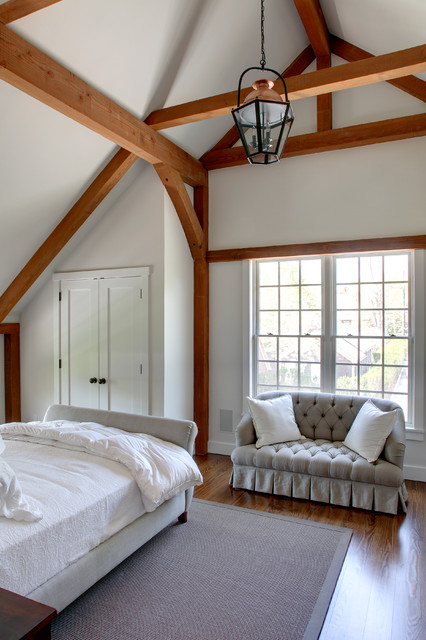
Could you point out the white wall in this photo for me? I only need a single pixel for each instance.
(37, 362)
(373, 191)
(130, 233)
(178, 318)
(226, 353)
(367, 192)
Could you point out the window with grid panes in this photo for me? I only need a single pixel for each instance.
(289, 324)
(359, 305)
(372, 326)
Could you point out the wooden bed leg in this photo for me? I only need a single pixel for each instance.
(183, 517)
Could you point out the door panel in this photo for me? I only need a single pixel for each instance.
(79, 343)
(121, 331)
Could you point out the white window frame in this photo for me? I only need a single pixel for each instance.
(415, 429)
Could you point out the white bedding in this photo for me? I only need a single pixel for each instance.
(161, 469)
(89, 497)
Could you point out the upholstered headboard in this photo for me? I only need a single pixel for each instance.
(180, 432)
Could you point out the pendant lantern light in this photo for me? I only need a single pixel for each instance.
(264, 119)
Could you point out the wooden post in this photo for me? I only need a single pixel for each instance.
(12, 372)
(201, 328)
(201, 353)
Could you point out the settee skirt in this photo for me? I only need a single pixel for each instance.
(345, 493)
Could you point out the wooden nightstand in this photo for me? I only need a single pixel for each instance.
(24, 619)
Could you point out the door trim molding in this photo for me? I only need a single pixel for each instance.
(99, 274)
(94, 275)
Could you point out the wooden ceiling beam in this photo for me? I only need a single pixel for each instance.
(324, 101)
(32, 71)
(332, 140)
(201, 206)
(318, 248)
(410, 84)
(298, 65)
(176, 189)
(69, 225)
(16, 9)
(313, 21)
(345, 76)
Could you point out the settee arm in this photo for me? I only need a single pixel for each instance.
(395, 443)
(244, 431)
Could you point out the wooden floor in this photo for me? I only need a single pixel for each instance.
(381, 591)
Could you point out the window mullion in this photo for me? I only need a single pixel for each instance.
(358, 365)
(328, 326)
(384, 302)
(300, 325)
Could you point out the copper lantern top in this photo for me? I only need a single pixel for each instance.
(263, 91)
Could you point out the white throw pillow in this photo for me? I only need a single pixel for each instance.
(274, 420)
(369, 431)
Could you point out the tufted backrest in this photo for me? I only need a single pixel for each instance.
(326, 416)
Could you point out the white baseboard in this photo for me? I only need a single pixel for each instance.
(412, 472)
(222, 448)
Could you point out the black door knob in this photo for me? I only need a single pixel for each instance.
(102, 381)
(93, 380)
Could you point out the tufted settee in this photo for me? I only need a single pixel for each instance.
(319, 466)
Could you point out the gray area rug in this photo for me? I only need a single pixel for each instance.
(227, 574)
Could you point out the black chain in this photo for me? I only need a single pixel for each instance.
(262, 35)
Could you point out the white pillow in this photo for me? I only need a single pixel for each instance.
(369, 431)
(274, 420)
(2, 446)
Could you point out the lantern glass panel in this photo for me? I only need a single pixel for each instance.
(263, 128)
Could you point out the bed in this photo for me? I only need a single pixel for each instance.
(90, 487)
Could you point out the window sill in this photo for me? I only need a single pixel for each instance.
(414, 434)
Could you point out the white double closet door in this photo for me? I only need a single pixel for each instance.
(103, 339)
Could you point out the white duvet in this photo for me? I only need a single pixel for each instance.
(161, 469)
